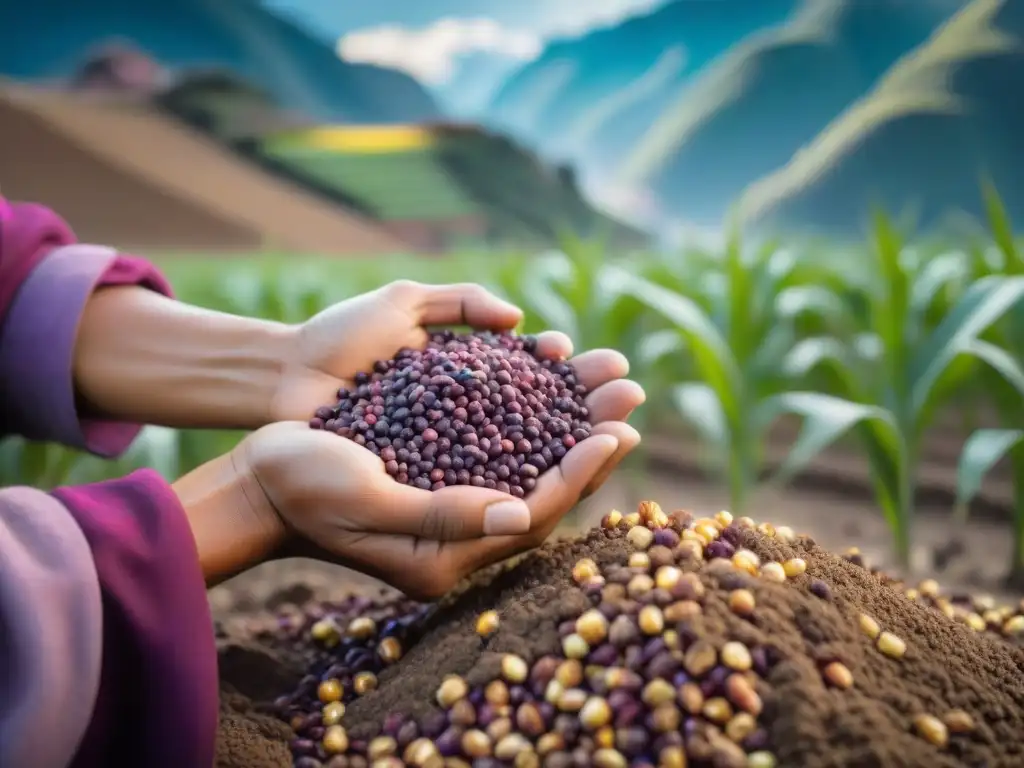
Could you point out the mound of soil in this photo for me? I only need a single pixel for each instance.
(655, 640)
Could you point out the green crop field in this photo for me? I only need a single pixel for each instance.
(868, 344)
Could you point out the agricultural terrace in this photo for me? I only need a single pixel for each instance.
(755, 360)
(445, 173)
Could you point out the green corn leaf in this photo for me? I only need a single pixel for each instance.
(828, 418)
(1001, 227)
(710, 352)
(700, 406)
(937, 273)
(982, 451)
(984, 302)
(739, 280)
(656, 346)
(890, 305)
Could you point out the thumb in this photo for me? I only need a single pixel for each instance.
(450, 514)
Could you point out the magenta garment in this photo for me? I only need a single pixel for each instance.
(51, 626)
(139, 641)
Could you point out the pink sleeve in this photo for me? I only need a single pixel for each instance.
(157, 700)
(46, 279)
(50, 631)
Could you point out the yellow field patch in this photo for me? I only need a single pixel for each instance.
(369, 139)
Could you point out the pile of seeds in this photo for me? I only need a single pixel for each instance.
(468, 410)
(662, 640)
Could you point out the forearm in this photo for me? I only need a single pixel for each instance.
(233, 524)
(142, 357)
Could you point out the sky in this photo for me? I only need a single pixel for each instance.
(428, 38)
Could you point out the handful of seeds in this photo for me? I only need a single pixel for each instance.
(477, 410)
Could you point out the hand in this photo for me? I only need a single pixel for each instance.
(336, 344)
(337, 502)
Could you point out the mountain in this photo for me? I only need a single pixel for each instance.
(942, 117)
(302, 72)
(628, 70)
(747, 114)
(476, 78)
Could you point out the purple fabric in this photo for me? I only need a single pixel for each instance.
(158, 699)
(50, 631)
(36, 353)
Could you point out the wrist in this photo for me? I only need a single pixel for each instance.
(234, 524)
(144, 358)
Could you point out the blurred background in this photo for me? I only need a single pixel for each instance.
(794, 216)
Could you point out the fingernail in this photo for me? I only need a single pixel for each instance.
(506, 517)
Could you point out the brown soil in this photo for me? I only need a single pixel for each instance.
(805, 722)
(124, 175)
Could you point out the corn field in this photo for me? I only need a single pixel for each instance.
(869, 345)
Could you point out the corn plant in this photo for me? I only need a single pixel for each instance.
(889, 385)
(734, 342)
(987, 447)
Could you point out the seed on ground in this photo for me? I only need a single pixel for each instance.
(335, 740)
(736, 656)
(667, 577)
(609, 758)
(476, 744)
(592, 626)
(958, 721)
(381, 747)
(584, 570)
(794, 567)
(487, 623)
(773, 572)
(361, 628)
(651, 514)
(514, 668)
(325, 631)
(891, 645)
(700, 658)
(640, 537)
(931, 729)
(1014, 626)
(761, 759)
(364, 682)
(742, 602)
(595, 713)
(746, 560)
(658, 692)
(575, 647)
(332, 713)
(651, 620)
(611, 520)
(740, 692)
(452, 689)
(868, 626)
(785, 533)
(838, 675)
(330, 690)
(639, 560)
(717, 710)
(389, 650)
(740, 726)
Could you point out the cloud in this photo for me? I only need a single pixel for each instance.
(430, 54)
(573, 17)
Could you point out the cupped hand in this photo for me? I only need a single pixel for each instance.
(333, 346)
(339, 504)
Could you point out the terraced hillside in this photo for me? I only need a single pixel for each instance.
(460, 182)
(126, 175)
